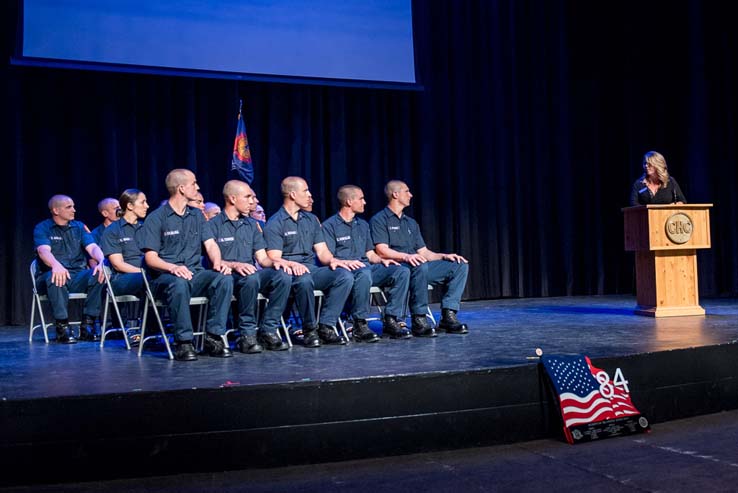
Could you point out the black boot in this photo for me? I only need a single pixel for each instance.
(216, 347)
(362, 332)
(185, 352)
(272, 341)
(328, 335)
(63, 334)
(249, 345)
(450, 323)
(88, 331)
(421, 327)
(310, 337)
(394, 329)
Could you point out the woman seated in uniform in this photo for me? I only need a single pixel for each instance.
(656, 186)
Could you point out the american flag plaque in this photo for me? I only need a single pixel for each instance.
(592, 405)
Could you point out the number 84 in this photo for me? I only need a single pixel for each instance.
(607, 388)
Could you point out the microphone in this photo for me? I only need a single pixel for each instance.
(673, 194)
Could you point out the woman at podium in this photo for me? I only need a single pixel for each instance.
(655, 186)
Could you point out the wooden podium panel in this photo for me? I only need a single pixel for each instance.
(645, 226)
(665, 239)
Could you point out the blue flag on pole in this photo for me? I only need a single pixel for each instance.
(241, 161)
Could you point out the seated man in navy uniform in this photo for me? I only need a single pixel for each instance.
(61, 243)
(172, 238)
(240, 239)
(259, 214)
(211, 210)
(108, 209)
(198, 202)
(397, 236)
(293, 233)
(348, 238)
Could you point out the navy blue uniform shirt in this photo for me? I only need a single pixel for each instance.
(121, 237)
(294, 238)
(399, 233)
(177, 239)
(347, 240)
(67, 243)
(239, 239)
(97, 233)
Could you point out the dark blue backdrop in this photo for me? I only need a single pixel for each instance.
(520, 151)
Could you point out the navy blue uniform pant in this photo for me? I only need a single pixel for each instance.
(450, 275)
(335, 284)
(127, 283)
(394, 279)
(272, 284)
(176, 292)
(81, 282)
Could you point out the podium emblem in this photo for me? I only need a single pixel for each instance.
(679, 228)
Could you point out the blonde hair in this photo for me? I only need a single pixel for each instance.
(233, 187)
(346, 193)
(175, 178)
(393, 186)
(291, 184)
(658, 162)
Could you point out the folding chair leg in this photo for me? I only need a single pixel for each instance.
(161, 328)
(143, 326)
(43, 325)
(200, 333)
(286, 331)
(342, 326)
(430, 315)
(120, 321)
(104, 323)
(33, 315)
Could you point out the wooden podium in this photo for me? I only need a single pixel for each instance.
(665, 239)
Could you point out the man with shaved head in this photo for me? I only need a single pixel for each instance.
(397, 236)
(108, 209)
(198, 202)
(259, 215)
(349, 239)
(241, 241)
(172, 239)
(211, 210)
(61, 243)
(293, 234)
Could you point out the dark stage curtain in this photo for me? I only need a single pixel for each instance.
(520, 151)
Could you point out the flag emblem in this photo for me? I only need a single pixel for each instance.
(241, 149)
(589, 401)
(241, 160)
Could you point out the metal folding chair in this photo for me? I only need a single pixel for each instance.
(150, 301)
(374, 293)
(377, 299)
(36, 304)
(430, 312)
(319, 295)
(259, 300)
(112, 299)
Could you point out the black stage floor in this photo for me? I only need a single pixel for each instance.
(503, 333)
(80, 404)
